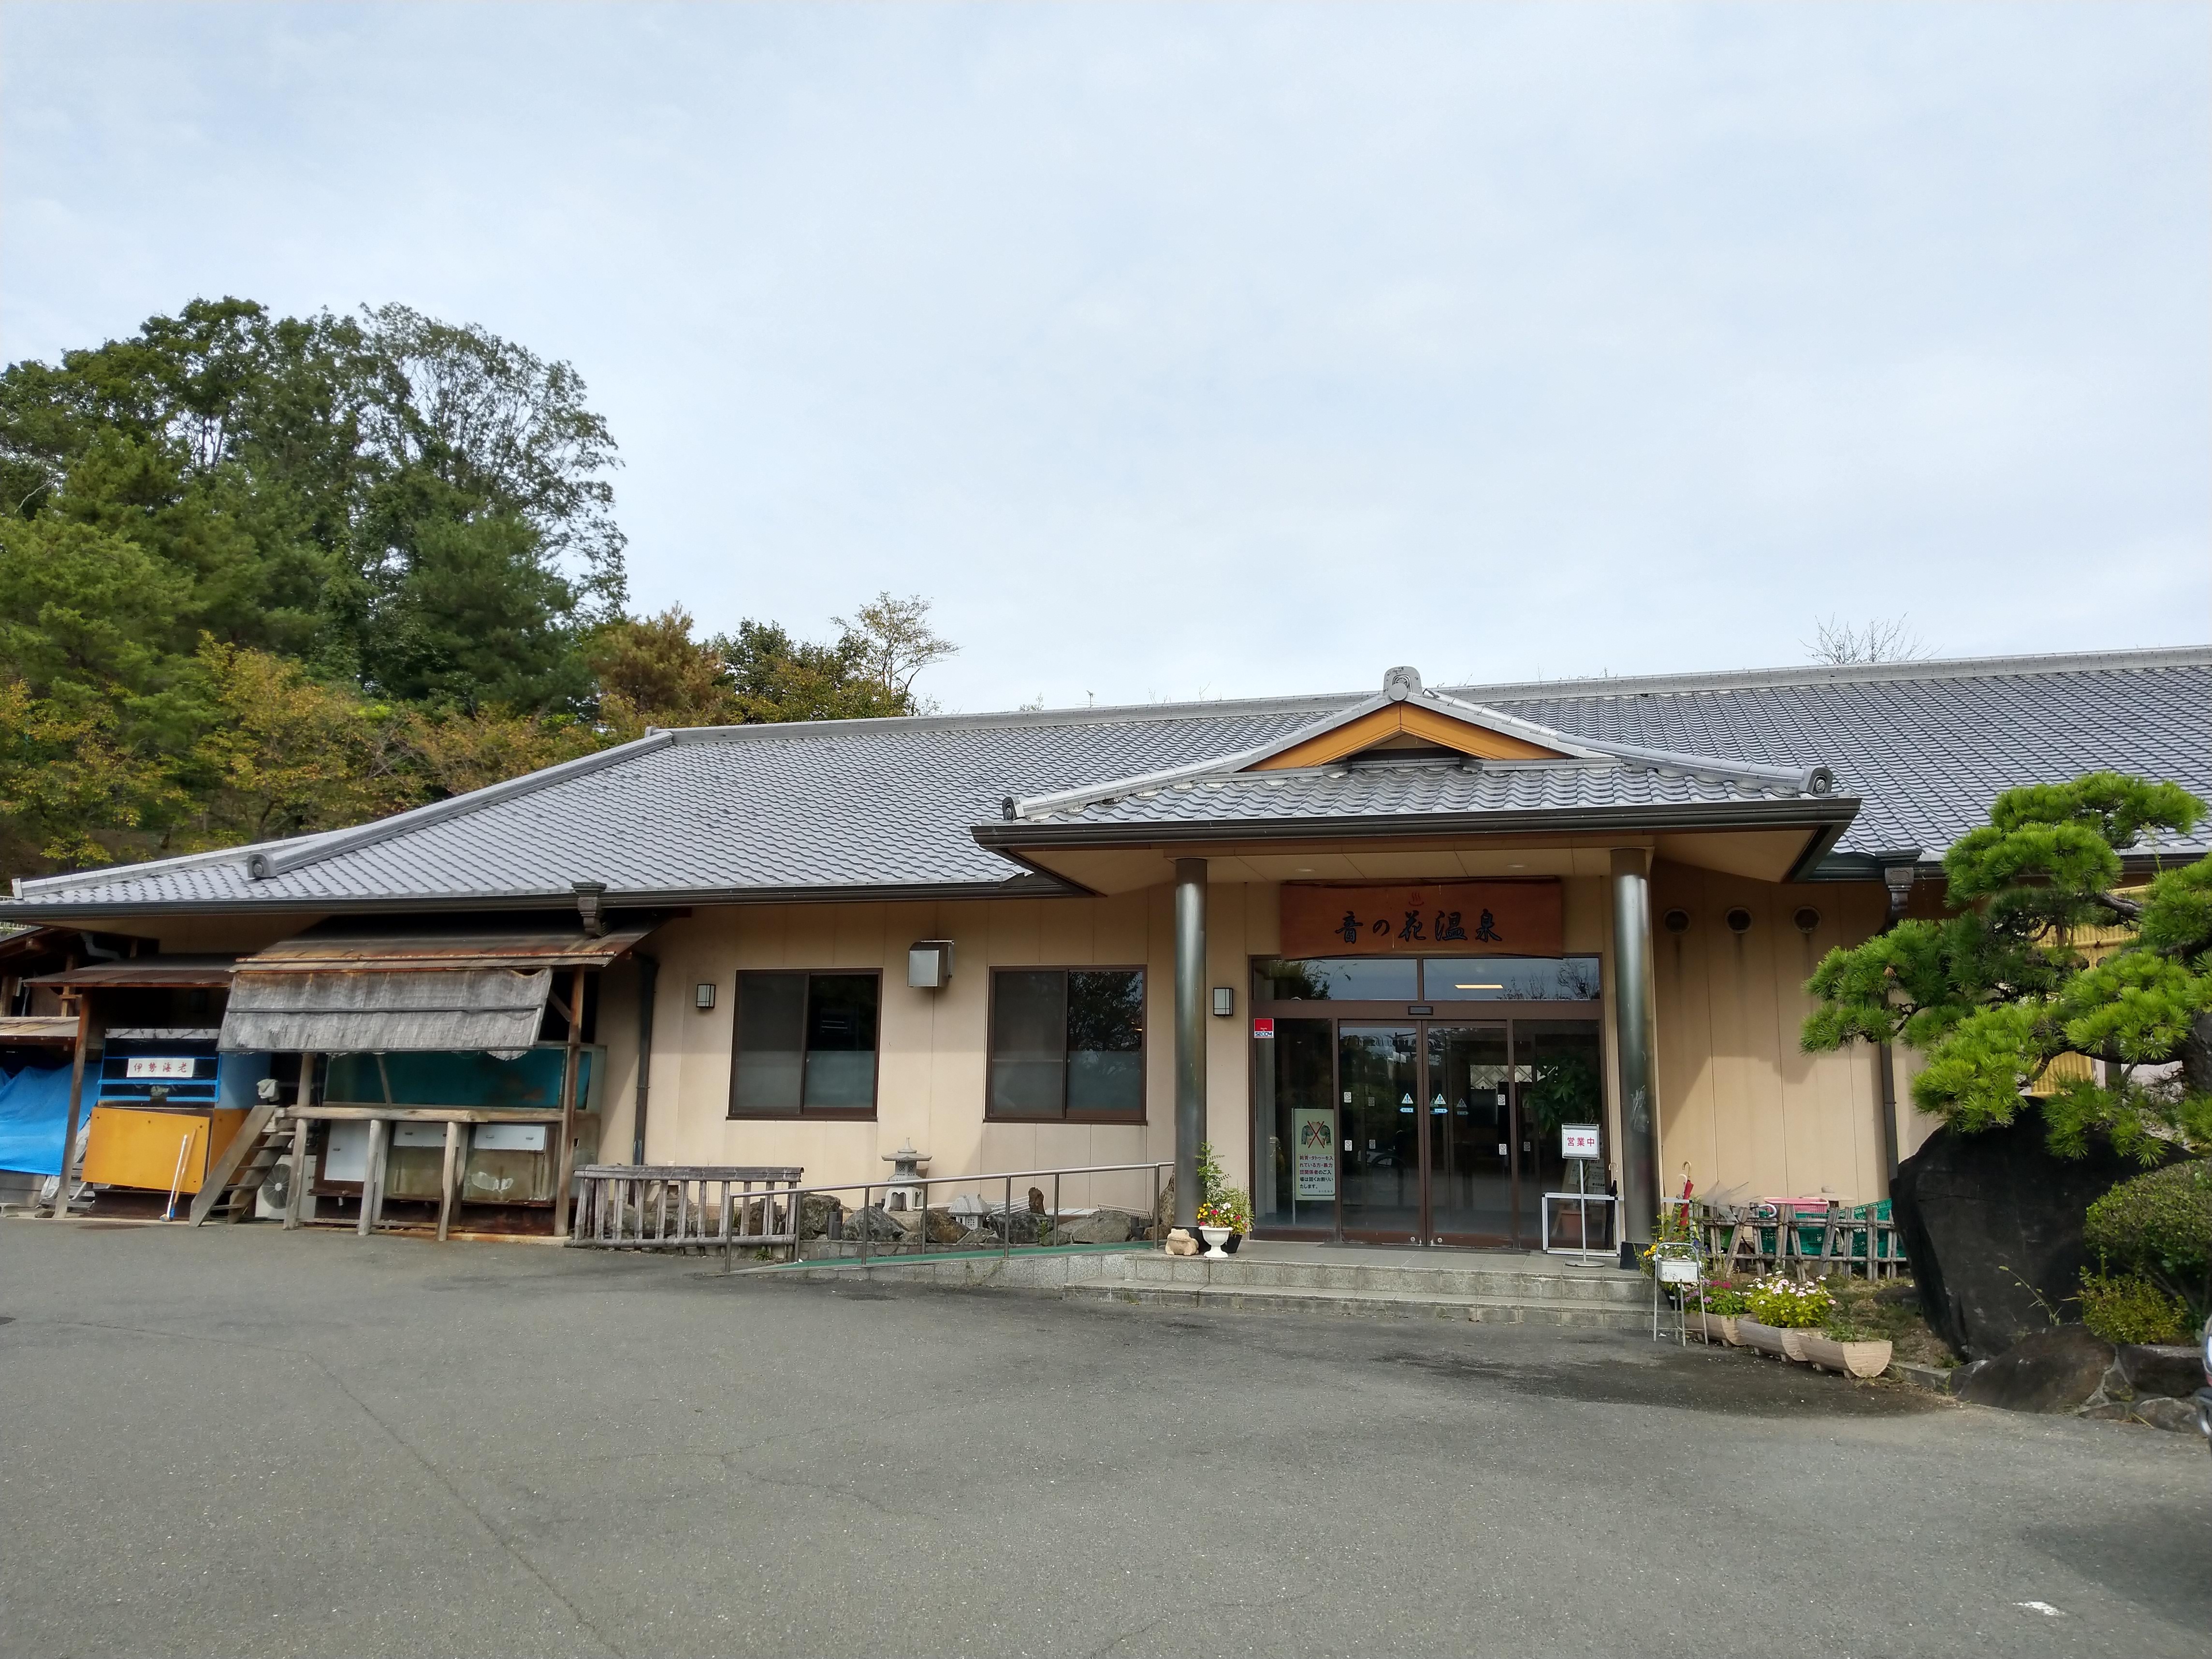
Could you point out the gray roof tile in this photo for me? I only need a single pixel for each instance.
(879, 805)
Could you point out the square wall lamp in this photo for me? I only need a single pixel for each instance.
(1224, 1001)
(702, 995)
(929, 964)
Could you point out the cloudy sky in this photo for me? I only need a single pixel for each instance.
(1203, 351)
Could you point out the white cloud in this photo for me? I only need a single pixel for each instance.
(1240, 349)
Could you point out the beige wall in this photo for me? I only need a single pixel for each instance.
(932, 1080)
(1741, 1102)
(931, 1083)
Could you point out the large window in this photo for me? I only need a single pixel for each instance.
(806, 1042)
(1067, 1042)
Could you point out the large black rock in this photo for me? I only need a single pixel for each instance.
(2052, 1371)
(1991, 1222)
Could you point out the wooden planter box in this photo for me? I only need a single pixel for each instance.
(1847, 1358)
(1718, 1327)
(1771, 1340)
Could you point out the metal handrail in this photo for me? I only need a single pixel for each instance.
(795, 1196)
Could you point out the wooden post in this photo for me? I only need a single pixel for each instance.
(295, 1199)
(564, 1155)
(298, 1202)
(372, 1186)
(76, 1101)
(452, 1169)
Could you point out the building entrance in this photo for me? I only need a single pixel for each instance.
(1414, 1124)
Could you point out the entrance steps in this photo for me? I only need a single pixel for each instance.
(1522, 1290)
(1272, 1276)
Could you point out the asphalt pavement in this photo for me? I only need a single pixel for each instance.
(239, 1441)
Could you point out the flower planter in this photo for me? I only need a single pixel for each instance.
(1216, 1238)
(1771, 1340)
(1847, 1358)
(1720, 1327)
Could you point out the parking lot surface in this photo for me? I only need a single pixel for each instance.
(234, 1440)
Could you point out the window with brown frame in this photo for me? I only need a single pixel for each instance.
(805, 1044)
(1067, 1043)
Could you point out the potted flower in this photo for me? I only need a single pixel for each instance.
(1780, 1310)
(1223, 1220)
(1847, 1347)
(1225, 1213)
(1723, 1303)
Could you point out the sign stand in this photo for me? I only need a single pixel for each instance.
(1579, 1142)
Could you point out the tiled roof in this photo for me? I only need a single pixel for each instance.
(888, 806)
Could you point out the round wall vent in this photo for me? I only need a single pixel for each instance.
(1806, 919)
(1676, 922)
(1739, 920)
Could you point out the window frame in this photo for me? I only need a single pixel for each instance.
(1142, 1114)
(806, 1114)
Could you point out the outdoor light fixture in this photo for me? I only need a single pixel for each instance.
(1224, 1001)
(702, 995)
(929, 964)
(1478, 987)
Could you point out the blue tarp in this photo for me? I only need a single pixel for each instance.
(33, 1115)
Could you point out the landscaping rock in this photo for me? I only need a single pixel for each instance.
(1991, 1221)
(816, 1212)
(943, 1228)
(2173, 1370)
(1021, 1227)
(2178, 1415)
(875, 1223)
(1100, 1227)
(2053, 1370)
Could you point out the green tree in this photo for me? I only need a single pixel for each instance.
(1994, 993)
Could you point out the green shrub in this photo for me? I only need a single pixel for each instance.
(2159, 1226)
(2130, 1308)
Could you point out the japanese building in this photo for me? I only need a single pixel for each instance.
(1381, 950)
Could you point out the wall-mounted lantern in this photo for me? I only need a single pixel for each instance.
(1224, 1001)
(929, 964)
(702, 995)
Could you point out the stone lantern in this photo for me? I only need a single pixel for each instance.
(905, 1190)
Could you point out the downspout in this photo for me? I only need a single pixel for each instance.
(648, 974)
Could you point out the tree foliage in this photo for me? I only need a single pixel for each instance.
(2001, 989)
(263, 575)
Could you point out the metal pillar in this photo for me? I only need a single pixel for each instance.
(1631, 1016)
(1189, 1033)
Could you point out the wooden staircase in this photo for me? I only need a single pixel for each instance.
(235, 1174)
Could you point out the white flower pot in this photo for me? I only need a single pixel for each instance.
(1215, 1237)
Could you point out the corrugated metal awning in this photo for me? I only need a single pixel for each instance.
(426, 952)
(155, 973)
(347, 992)
(498, 1009)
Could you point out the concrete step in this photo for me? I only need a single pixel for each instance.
(1364, 1304)
(1473, 1281)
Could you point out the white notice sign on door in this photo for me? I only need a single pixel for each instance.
(1578, 1140)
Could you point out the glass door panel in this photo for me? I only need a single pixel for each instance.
(1295, 1084)
(1471, 1194)
(1379, 1129)
(1559, 1071)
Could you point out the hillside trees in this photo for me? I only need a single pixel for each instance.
(262, 575)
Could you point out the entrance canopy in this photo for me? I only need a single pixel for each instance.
(1410, 784)
(352, 993)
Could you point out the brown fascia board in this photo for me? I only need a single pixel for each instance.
(665, 899)
(1827, 811)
